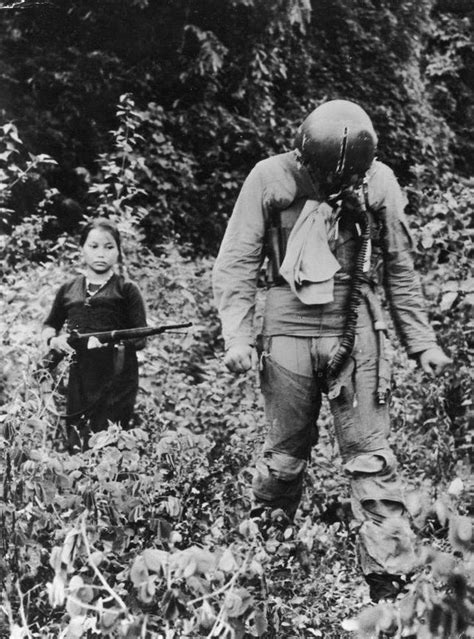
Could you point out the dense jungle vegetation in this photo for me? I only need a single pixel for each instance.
(153, 111)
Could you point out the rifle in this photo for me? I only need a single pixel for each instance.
(114, 337)
(52, 359)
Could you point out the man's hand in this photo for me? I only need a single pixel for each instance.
(238, 359)
(433, 361)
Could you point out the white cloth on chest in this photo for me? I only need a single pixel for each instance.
(309, 265)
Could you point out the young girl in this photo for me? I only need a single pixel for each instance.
(103, 381)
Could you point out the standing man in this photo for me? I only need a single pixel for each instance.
(328, 220)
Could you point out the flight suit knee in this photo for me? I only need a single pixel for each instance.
(278, 481)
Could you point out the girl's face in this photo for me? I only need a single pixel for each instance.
(100, 251)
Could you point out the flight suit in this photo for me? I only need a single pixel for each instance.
(298, 340)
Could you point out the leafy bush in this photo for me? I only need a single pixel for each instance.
(220, 87)
(22, 185)
(149, 532)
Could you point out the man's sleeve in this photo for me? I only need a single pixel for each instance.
(237, 265)
(402, 282)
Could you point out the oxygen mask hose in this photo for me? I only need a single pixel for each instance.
(348, 337)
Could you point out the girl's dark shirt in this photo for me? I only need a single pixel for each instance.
(117, 305)
(98, 385)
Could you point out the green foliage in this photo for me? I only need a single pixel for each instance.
(22, 186)
(439, 602)
(449, 74)
(444, 254)
(21, 176)
(137, 176)
(149, 532)
(219, 86)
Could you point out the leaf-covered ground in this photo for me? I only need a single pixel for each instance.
(147, 534)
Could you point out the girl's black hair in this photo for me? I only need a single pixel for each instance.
(104, 224)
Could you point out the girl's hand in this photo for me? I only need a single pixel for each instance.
(60, 343)
(93, 342)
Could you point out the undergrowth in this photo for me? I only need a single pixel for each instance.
(147, 534)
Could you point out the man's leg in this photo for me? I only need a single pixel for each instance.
(362, 426)
(292, 402)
